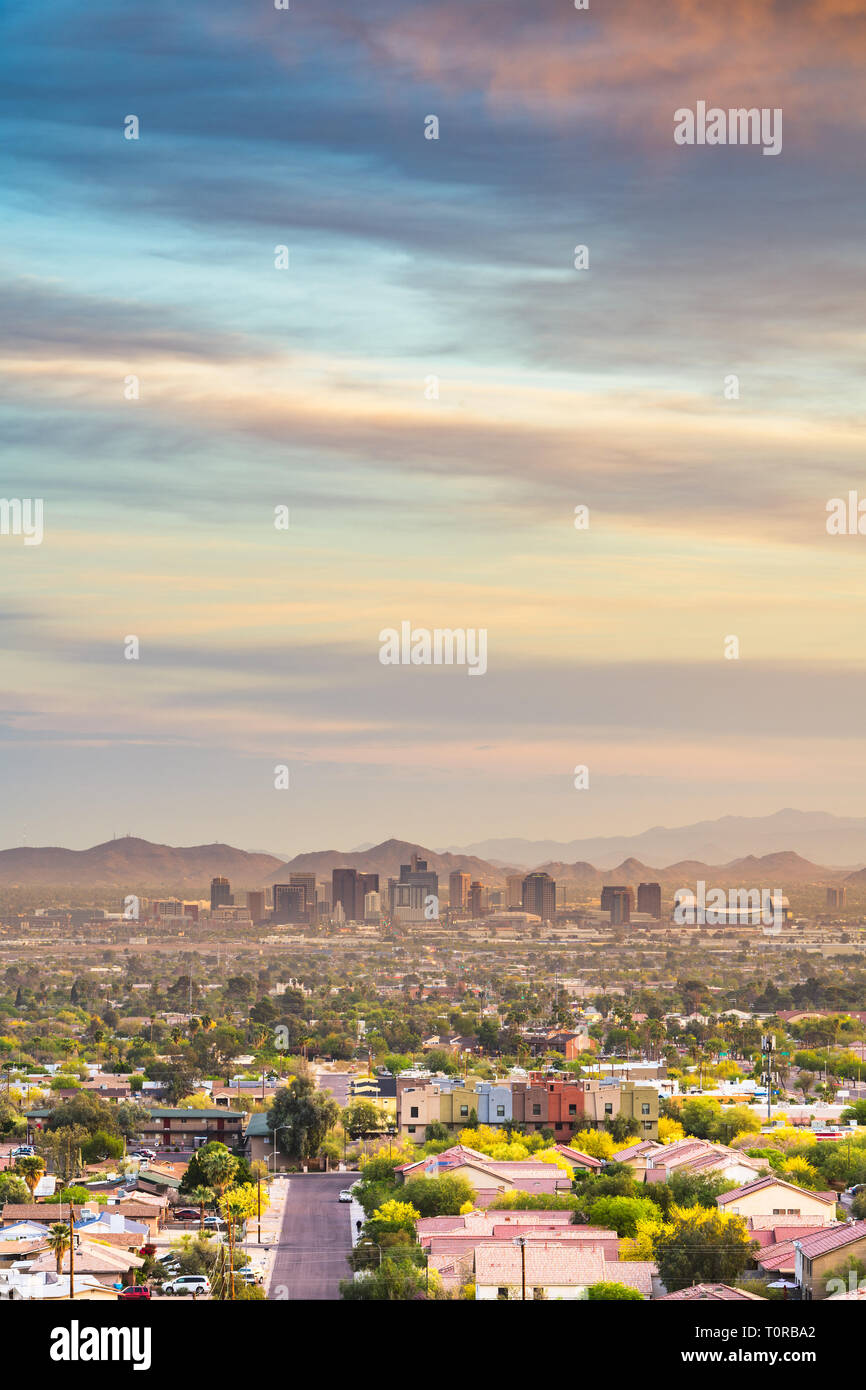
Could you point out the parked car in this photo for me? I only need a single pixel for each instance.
(345, 1196)
(250, 1275)
(23, 1151)
(187, 1283)
(135, 1291)
(214, 1223)
(186, 1214)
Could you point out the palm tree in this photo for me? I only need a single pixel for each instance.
(58, 1241)
(218, 1166)
(31, 1169)
(201, 1196)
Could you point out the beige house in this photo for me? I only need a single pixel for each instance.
(773, 1197)
(551, 1271)
(823, 1256)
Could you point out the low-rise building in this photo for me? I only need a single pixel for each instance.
(772, 1197)
(549, 1271)
(822, 1255)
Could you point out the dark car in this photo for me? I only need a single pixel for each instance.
(186, 1214)
(135, 1291)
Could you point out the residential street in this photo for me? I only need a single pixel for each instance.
(315, 1238)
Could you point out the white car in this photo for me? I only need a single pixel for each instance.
(188, 1283)
(23, 1151)
(346, 1195)
(249, 1276)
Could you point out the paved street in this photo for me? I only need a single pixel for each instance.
(337, 1082)
(315, 1238)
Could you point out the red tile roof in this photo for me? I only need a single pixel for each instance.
(831, 1238)
(772, 1181)
(719, 1293)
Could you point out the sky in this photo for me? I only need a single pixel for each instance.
(310, 388)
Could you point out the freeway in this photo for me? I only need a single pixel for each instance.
(315, 1238)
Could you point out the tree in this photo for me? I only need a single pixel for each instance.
(240, 1203)
(202, 1196)
(101, 1145)
(31, 1168)
(13, 1189)
(130, 1116)
(395, 1216)
(215, 1168)
(394, 1281)
(58, 1242)
(436, 1133)
(302, 1115)
(87, 1111)
(701, 1246)
(621, 1214)
(698, 1116)
(733, 1120)
(596, 1293)
(362, 1118)
(805, 1081)
(621, 1127)
(438, 1196)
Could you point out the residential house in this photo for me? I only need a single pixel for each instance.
(551, 1271)
(772, 1197)
(17, 1285)
(821, 1255)
(711, 1293)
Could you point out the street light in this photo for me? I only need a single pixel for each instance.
(275, 1133)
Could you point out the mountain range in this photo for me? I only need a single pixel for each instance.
(816, 835)
(134, 865)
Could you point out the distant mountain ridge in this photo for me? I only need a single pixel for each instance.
(815, 835)
(136, 865)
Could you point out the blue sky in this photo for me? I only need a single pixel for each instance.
(411, 258)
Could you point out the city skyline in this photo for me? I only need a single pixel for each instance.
(309, 389)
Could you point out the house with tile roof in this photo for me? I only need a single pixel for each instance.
(822, 1254)
(551, 1270)
(773, 1197)
(711, 1293)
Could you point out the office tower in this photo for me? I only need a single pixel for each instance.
(308, 883)
(479, 903)
(539, 896)
(620, 906)
(372, 907)
(837, 897)
(607, 896)
(367, 883)
(414, 896)
(344, 889)
(514, 890)
(458, 891)
(191, 910)
(494, 899)
(220, 893)
(288, 903)
(256, 906)
(649, 899)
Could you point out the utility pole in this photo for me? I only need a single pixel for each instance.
(259, 1202)
(521, 1241)
(71, 1252)
(768, 1047)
